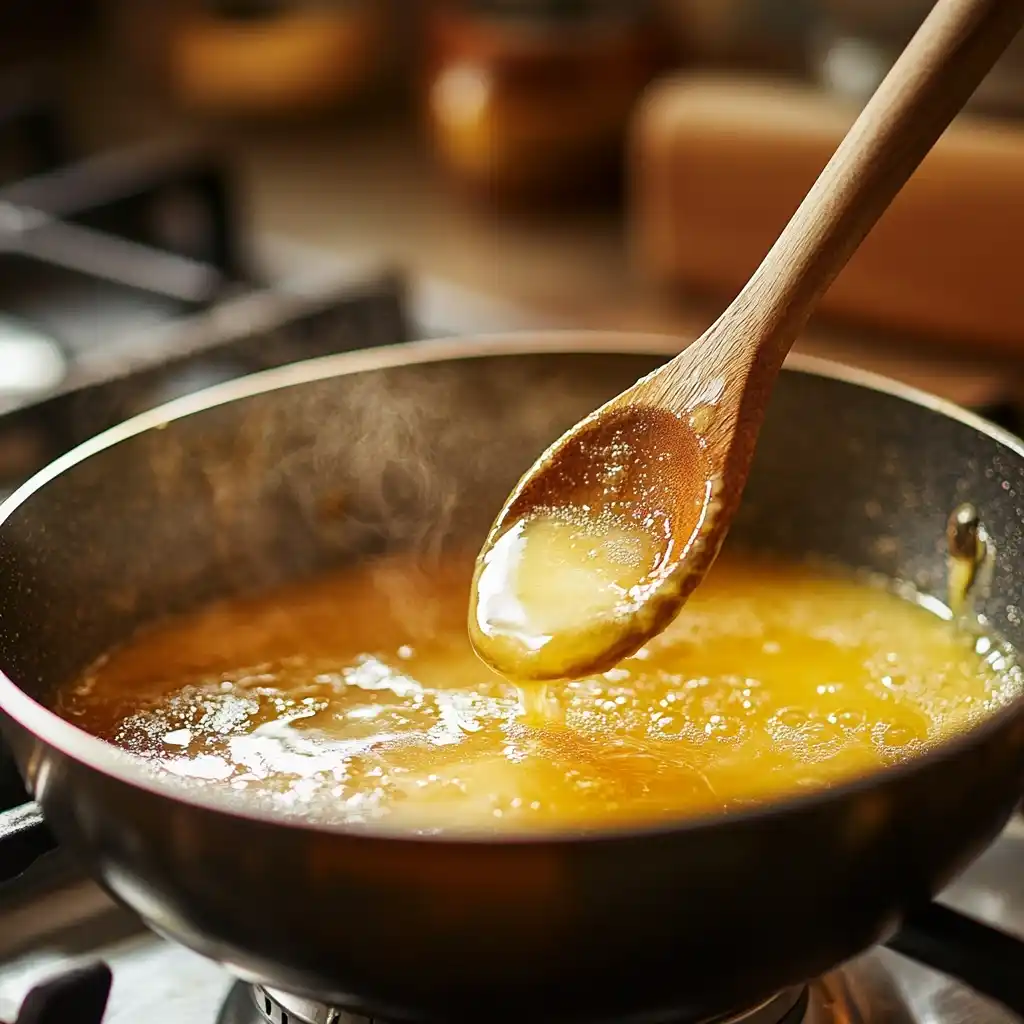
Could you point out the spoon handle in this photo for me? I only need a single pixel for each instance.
(935, 76)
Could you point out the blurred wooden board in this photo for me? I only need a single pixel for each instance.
(718, 164)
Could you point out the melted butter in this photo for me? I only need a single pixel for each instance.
(357, 698)
(550, 588)
(961, 572)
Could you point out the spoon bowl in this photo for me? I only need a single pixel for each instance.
(611, 517)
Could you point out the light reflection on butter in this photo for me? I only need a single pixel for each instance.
(775, 679)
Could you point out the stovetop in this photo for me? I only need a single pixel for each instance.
(53, 920)
(126, 280)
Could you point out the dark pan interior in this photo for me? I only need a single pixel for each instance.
(646, 926)
(252, 493)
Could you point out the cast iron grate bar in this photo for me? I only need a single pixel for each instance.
(177, 196)
(24, 838)
(75, 997)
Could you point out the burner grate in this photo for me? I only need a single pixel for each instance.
(74, 997)
(97, 254)
(171, 198)
(787, 1007)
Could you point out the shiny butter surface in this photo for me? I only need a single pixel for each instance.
(357, 697)
(552, 590)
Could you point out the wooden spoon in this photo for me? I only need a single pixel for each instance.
(602, 541)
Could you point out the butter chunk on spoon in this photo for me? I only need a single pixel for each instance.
(602, 541)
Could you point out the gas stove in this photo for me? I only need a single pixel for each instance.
(126, 280)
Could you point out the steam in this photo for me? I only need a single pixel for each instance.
(415, 459)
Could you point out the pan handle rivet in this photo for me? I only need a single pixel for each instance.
(963, 533)
(971, 558)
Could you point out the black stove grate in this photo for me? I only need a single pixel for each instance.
(73, 997)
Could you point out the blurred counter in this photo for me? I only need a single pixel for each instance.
(378, 195)
(370, 190)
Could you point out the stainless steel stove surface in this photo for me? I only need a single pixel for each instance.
(52, 920)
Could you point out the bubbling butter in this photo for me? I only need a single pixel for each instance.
(356, 698)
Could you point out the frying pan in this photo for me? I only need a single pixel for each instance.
(272, 478)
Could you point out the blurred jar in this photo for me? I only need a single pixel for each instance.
(764, 34)
(276, 57)
(853, 43)
(529, 99)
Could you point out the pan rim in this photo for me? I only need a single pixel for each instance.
(100, 756)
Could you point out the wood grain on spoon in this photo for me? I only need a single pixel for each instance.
(609, 532)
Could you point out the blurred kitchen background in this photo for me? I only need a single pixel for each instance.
(190, 190)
